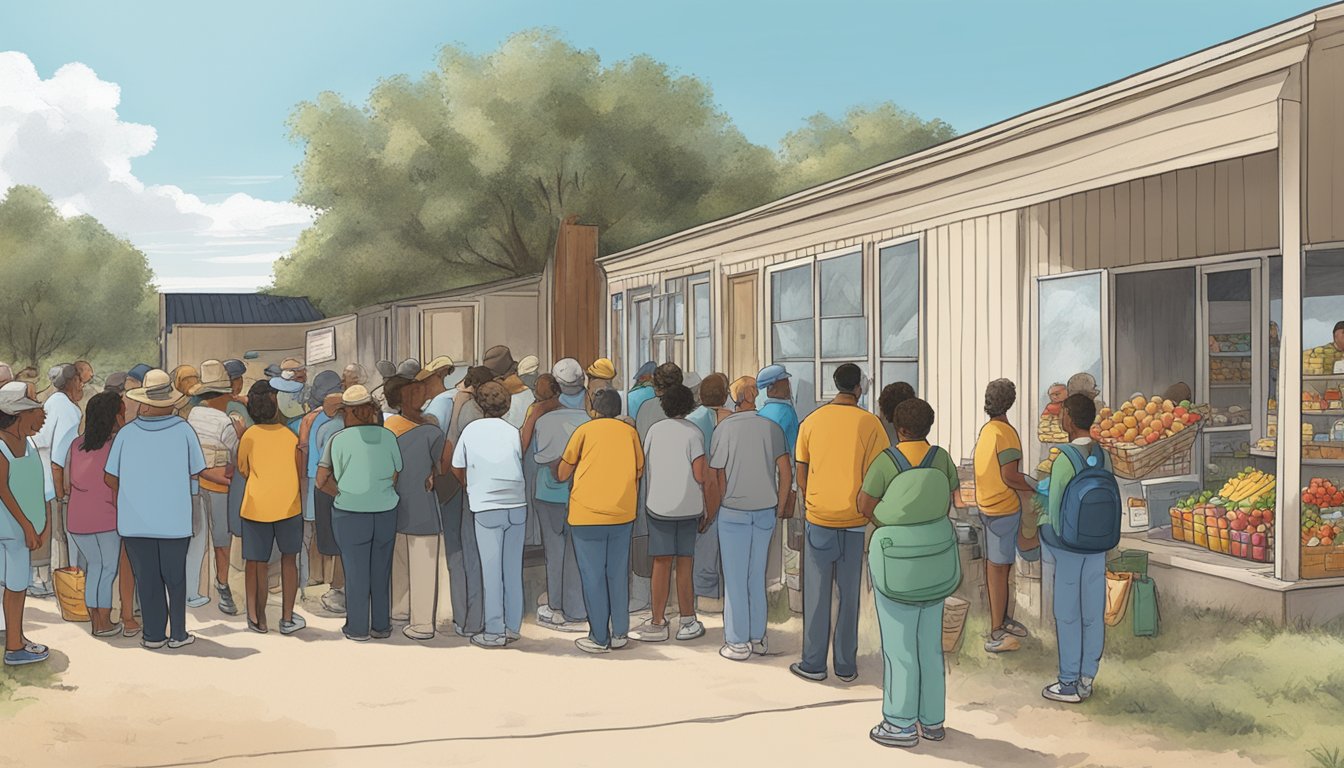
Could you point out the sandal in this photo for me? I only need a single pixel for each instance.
(1015, 628)
(129, 631)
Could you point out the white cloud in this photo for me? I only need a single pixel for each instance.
(63, 135)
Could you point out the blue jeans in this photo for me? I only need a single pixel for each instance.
(198, 546)
(160, 570)
(744, 545)
(464, 564)
(499, 534)
(603, 552)
(1080, 609)
(564, 588)
(708, 573)
(366, 540)
(913, 686)
(831, 556)
(102, 553)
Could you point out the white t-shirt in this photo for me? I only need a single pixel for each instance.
(518, 406)
(491, 451)
(670, 449)
(215, 431)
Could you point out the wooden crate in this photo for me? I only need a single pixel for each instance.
(1322, 562)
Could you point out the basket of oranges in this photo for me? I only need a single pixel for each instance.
(1149, 437)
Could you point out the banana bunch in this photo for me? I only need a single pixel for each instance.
(1250, 484)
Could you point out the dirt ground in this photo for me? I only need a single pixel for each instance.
(314, 699)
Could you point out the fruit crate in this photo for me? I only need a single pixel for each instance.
(1243, 546)
(1322, 562)
(1178, 523)
(1167, 457)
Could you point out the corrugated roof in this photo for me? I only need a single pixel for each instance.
(236, 309)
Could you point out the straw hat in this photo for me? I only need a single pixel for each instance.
(441, 365)
(214, 380)
(158, 391)
(356, 395)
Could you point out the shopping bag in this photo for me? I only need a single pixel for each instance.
(1146, 614)
(954, 622)
(70, 593)
(1117, 596)
(1133, 561)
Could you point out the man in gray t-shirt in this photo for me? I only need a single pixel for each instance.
(751, 462)
(564, 609)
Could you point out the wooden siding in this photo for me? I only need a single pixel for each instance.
(1225, 207)
(577, 294)
(1323, 156)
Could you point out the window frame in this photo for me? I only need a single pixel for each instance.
(878, 377)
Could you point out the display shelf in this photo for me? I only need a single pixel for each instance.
(1260, 453)
(1230, 385)
(1227, 428)
(1324, 377)
(1263, 454)
(1229, 354)
(1319, 414)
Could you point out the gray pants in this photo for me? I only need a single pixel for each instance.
(831, 556)
(708, 569)
(198, 546)
(564, 590)
(464, 565)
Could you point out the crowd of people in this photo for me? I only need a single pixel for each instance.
(674, 488)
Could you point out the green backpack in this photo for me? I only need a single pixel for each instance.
(913, 554)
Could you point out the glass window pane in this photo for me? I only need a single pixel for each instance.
(899, 269)
(828, 378)
(793, 340)
(700, 301)
(660, 315)
(1070, 331)
(842, 286)
(894, 372)
(844, 337)
(1230, 346)
(791, 293)
(704, 357)
(679, 314)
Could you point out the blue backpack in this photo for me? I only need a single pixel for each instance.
(1089, 513)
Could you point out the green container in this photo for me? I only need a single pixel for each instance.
(1129, 561)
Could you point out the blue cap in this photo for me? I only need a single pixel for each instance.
(139, 371)
(646, 370)
(235, 368)
(286, 385)
(769, 375)
(272, 370)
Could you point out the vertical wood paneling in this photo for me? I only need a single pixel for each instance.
(1236, 206)
(1169, 219)
(960, 329)
(1323, 164)
(1221, 205)
(1186, 195)
(1079, 254)
(995, 305)
(1254, 181)
(1137, 230)
(947, 340)
(1204, 179)
(1093, 229)
(986, 237)
(1068, 253)
(1152, 219)
(1122, 226)
(1055, 245)
(1107, 228)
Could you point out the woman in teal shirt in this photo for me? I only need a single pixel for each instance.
(359, 467)
(23, 521)
(914, 567)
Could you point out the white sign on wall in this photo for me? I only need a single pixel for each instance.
(320, 346)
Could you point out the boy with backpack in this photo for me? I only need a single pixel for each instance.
(1080, 525)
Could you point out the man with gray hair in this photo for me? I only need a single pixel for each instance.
(58, 432)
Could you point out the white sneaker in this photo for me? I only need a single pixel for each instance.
(648, 632)
(691, 631)
(184, 642)
(758, 647)
(735, 651)
(588, 645)
(545, 615)
(619, 641)
(489, 641)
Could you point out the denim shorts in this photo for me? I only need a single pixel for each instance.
(259, 538)
(1001, 537)
(672, 537)
(16, 563)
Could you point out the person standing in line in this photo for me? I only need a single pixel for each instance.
(324, 384)
(500, 361)
(359, 468)
(439, 405)
(564, 609)
(272, 515)
(601, 375)
(219, 442)
(353, 374)
(415, 561)
(92, 511)
(605, 461)
(775, 381)
(665, 377)
(648, 413)
(1079, 578)
(836, 445)
(237, 407)
(998, 481)
(753, 480)
(152, 468)
(488, 461)
(527, 370)
(914, 566)
(333, 600)
(465, 408)
(893, 395)
(23, 523)
(58, 431)
(291, 401)
(708, 573)
(679, 505)
(642, 391)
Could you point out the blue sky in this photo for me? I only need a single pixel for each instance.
(217, 81)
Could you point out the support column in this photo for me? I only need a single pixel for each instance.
(1287, 550)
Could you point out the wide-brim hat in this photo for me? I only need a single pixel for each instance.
(500, 360)
(441, 365)
(288, 386)
(214, 380)
(157, 392)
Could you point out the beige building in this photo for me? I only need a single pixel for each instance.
(1179, 225)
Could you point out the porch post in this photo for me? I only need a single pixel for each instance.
(1287, 552)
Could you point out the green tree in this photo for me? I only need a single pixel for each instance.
(465, 174)
(69, 285)
(827, 148)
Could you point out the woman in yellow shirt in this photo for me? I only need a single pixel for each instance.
(270, 461)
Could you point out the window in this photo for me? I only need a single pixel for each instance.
(791, 313)
(898, 308)
(617, 341)
(1070, 331)
(702, 352)
(844, 334)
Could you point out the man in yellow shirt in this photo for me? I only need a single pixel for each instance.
(836, 444)
(998, 479)
(605, 460)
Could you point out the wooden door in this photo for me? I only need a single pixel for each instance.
(743, 355)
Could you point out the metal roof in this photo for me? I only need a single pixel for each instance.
(235, 309)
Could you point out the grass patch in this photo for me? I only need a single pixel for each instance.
(1327, 758)
(12, 679)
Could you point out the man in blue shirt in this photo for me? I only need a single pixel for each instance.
(773, 380)
(440, 404)
(642, 391)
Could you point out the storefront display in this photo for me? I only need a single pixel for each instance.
(1149, 437)
(1322, 524)
(1236, 520)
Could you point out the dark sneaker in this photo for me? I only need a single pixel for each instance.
(226, 604)
(378, 634)
(24, 656)
(888, 735)
(293, 625)
(932, 732)
(1066, 693)
(357, 638)
(797, 669)
(846, 678)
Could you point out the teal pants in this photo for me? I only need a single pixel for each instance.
(913, 686)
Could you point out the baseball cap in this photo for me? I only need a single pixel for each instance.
(441, 365)
(138, 372)
(326, 383)
(356, 395)
(281, 384)
(235, 368)
(771, 374)
(528, 365)
(569, 375)
(646, 370)
(14, 398)
(115, 382)
(408, 368)
(272, 371)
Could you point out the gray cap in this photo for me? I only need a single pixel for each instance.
(326, 383)
(692, 381)
(235, 368)
(115, 382)
(408, 368)
(14, 399)
(569, 375)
